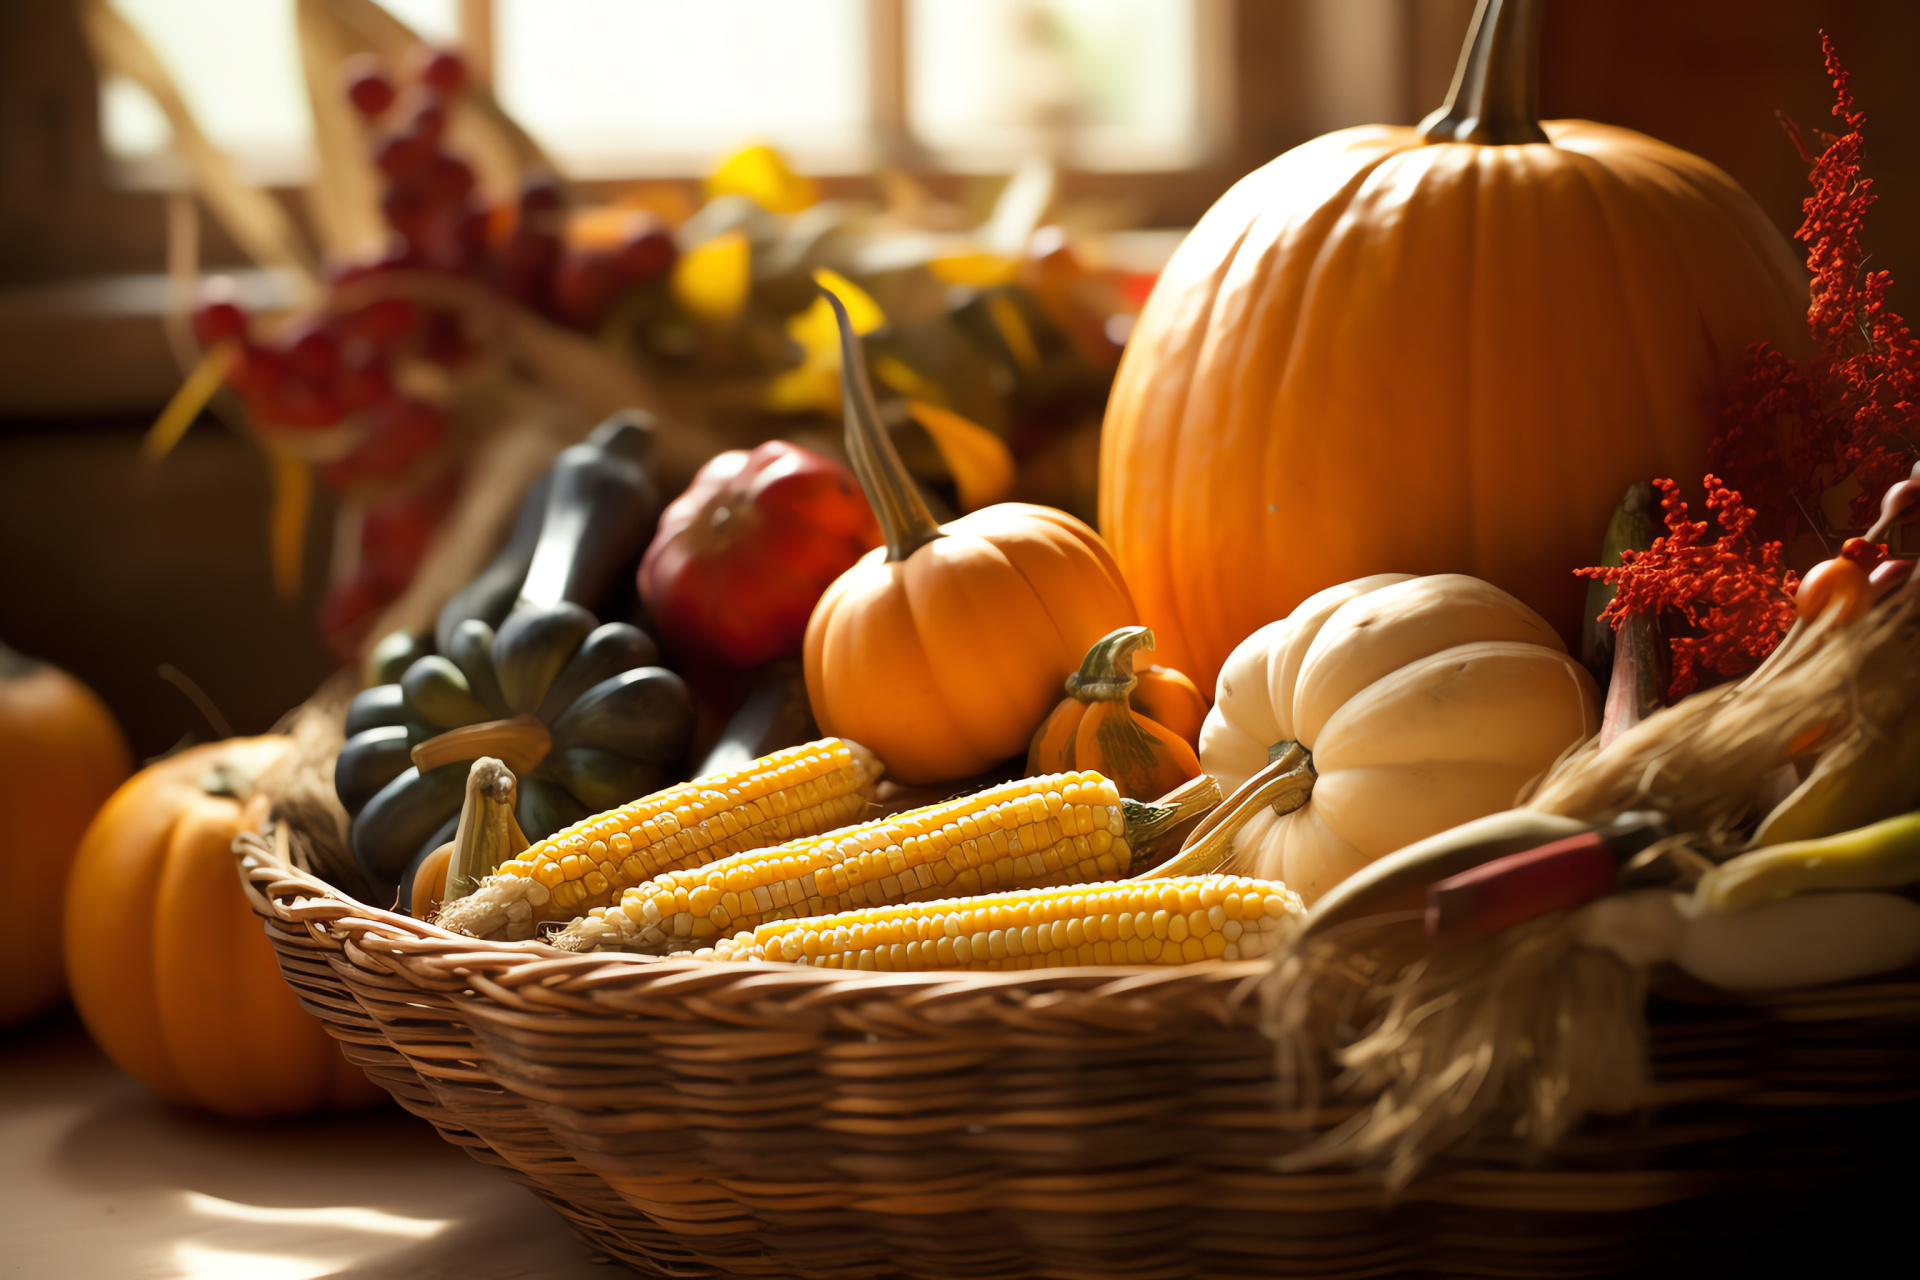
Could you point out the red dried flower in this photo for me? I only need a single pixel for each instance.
(1736, 594)
(1789, 432)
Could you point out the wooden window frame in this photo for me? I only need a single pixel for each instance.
(79, 251)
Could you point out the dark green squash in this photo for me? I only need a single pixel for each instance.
(600, 724)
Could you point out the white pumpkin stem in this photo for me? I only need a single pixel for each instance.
(1283, 785)
(903, 515)
(1495, 99)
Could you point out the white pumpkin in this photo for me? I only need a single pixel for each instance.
(1426, 702)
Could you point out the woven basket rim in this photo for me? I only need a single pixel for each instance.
(279, 890)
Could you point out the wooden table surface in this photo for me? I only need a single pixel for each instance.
(99, 1178)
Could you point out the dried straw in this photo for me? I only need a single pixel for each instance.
(1704, 762)
(299, 786)
(1529, 1024)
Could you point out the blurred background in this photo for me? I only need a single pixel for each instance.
(153, 583)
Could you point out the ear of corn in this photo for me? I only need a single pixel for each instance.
(796, 792)
(1059, 828)
(1185, 920)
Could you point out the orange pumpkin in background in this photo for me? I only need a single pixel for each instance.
(1437, 349)
(169, 967)
(61, 756)
(943, 650)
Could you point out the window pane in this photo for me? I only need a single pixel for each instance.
(615, 87)
(435, 21)
(1108, 84)
(237, 65)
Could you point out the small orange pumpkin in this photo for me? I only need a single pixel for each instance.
(169, 967)
(1097, 727)
(941, 651)
(61, 756)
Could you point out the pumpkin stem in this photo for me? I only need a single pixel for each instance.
(522, 742)
(903, 516)
(1495, 99)
(1284, 785)
(488, 834)
(1107, 674)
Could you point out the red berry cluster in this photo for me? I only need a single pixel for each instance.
(1733, 592)
(1792, 430)
(441, 224)
(394, 533)
(337, 372)
(337, 369)
(438, 221)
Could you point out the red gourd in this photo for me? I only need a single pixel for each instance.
(744, 554)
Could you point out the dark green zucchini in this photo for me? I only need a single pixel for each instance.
(391, 828)
(371, 759)
(646, 714)
(382, 704)
(601, 509)
(775, 715)
(491, 594)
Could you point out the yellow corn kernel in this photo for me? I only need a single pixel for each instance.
(796, 792)
(1113, 923)
(892, 860)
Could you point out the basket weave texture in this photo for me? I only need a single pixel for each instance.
(692, 1119)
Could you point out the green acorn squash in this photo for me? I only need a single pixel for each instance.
(578, 709)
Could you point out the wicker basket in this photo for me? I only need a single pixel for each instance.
(692, 1119)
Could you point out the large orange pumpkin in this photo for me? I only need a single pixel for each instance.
(171, 970)
(61, 756)
(942, 651)
(1437, 349)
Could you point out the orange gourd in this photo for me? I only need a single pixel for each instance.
(1097, 727)
(171, 970)
(942, 651)
(1168, 697)
(1435, 349)
(61, 756)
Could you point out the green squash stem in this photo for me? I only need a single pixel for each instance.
(903, 515)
